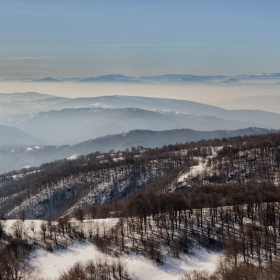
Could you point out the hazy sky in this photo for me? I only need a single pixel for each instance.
(149, 37)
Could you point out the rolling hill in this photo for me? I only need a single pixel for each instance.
(11, 137)
(16, 158)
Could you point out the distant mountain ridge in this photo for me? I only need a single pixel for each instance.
(153, 139)
(12, 137)
(71, 126)
(34, 156)
(166, 78)
(59, 120)
(266, 102)
(24, 96)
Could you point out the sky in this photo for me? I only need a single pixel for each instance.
(73, 38)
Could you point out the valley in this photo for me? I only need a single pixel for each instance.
(167, 201)
(139, 140)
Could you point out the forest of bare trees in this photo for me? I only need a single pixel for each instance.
(232, 205)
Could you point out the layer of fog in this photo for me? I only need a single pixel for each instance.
(214, 94)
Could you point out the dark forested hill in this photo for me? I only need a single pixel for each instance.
(61, 187)
(16, 158)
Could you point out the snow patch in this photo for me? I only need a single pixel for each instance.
(51, 264)
(73, 157)
(194, 170)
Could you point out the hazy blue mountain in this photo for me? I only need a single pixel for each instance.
(110, 78)
(11, 159)
(255, 117)
(264, 102)
(178, 78)
(31, 103)
(9, 108)
(231, 81)
(152, 139)
(161, 78)
(167, 78)
(266, 119)
(71, 126)
(264, 76)
(146, 103)
(22, 103)
(23, 96)
(11, 137)
(59, 121)
(48, 80)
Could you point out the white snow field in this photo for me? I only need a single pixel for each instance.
(198, 169)
(194, 170)
(51, 264)
(73, 157)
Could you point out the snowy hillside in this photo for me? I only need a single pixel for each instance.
(49, 265)
(156, 213)
(61, 187)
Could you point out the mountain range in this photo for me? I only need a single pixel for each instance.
(11, 159)
(12, 137)
(59, 121)
(167, 78)
(266, 102)
(37, 128)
